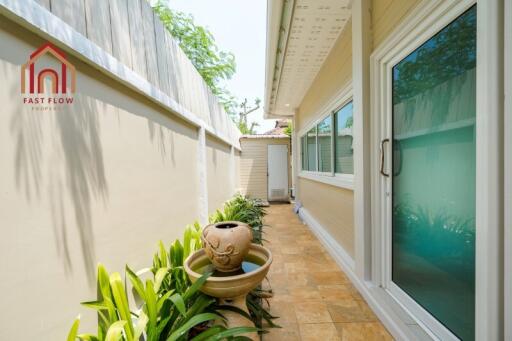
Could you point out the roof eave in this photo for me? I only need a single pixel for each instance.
(274, 24)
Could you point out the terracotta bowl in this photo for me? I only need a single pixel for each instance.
(230, 286)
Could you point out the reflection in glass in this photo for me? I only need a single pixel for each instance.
(324, 144)
(434, 175)
(304, 157)
(311, 140)
(343, 120)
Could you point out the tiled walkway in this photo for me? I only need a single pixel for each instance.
(312, 296)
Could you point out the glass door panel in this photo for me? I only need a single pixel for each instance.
(433, 180)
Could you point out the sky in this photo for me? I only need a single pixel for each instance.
(239, 27)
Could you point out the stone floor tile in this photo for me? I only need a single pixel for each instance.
(329, 278)
(285, 312)
(305, 293)
(300, 279)
(319, 332)
(312, 312)
(349, 310)
(335, 292)
(312, 295)
(296, 266)
(372, 331)
(287, 332)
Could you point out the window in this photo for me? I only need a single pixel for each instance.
(304, 148)
(343, 121)
(311, 149)
(326, 149)
(324, 129)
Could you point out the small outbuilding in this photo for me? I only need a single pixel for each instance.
(265, 167)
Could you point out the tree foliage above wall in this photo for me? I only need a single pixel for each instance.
(213, 64)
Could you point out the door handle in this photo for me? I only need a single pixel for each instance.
(382, 158)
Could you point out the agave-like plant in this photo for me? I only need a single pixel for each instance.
(166, 316)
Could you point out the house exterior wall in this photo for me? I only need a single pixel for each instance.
(329, 205)
(333, 208)
(386, 14)
(253, 166)
(102, 180)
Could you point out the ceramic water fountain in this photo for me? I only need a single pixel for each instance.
(238, 267)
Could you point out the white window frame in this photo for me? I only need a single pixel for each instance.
(342, 98)
(428, 18)
(508, 169)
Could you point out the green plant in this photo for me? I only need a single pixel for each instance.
(289, 129)
(172, 261)
(246, 210)
(163, 315)
(170, 307)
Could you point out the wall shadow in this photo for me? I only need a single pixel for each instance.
(58, 156)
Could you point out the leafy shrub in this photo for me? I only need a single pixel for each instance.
(246, 210)
(170, 307)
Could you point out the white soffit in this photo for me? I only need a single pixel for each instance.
(314, 28)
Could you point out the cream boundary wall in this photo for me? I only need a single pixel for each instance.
(100, 181)
(254, 164)
(221, 173)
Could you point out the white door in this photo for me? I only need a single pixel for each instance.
(428, 174)
(277, 168)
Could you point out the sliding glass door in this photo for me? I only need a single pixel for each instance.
(433, 175)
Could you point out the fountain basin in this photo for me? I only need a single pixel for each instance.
(231, 288)
(232, 285)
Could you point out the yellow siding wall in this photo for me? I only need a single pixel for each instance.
(253, 166)
(386, 15)
(335, 73)
(331, 206)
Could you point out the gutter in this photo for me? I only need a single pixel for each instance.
(278, 33)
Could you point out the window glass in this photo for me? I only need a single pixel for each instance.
(311, 148)
(304, 150)
(343, 145)
(325, 145)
